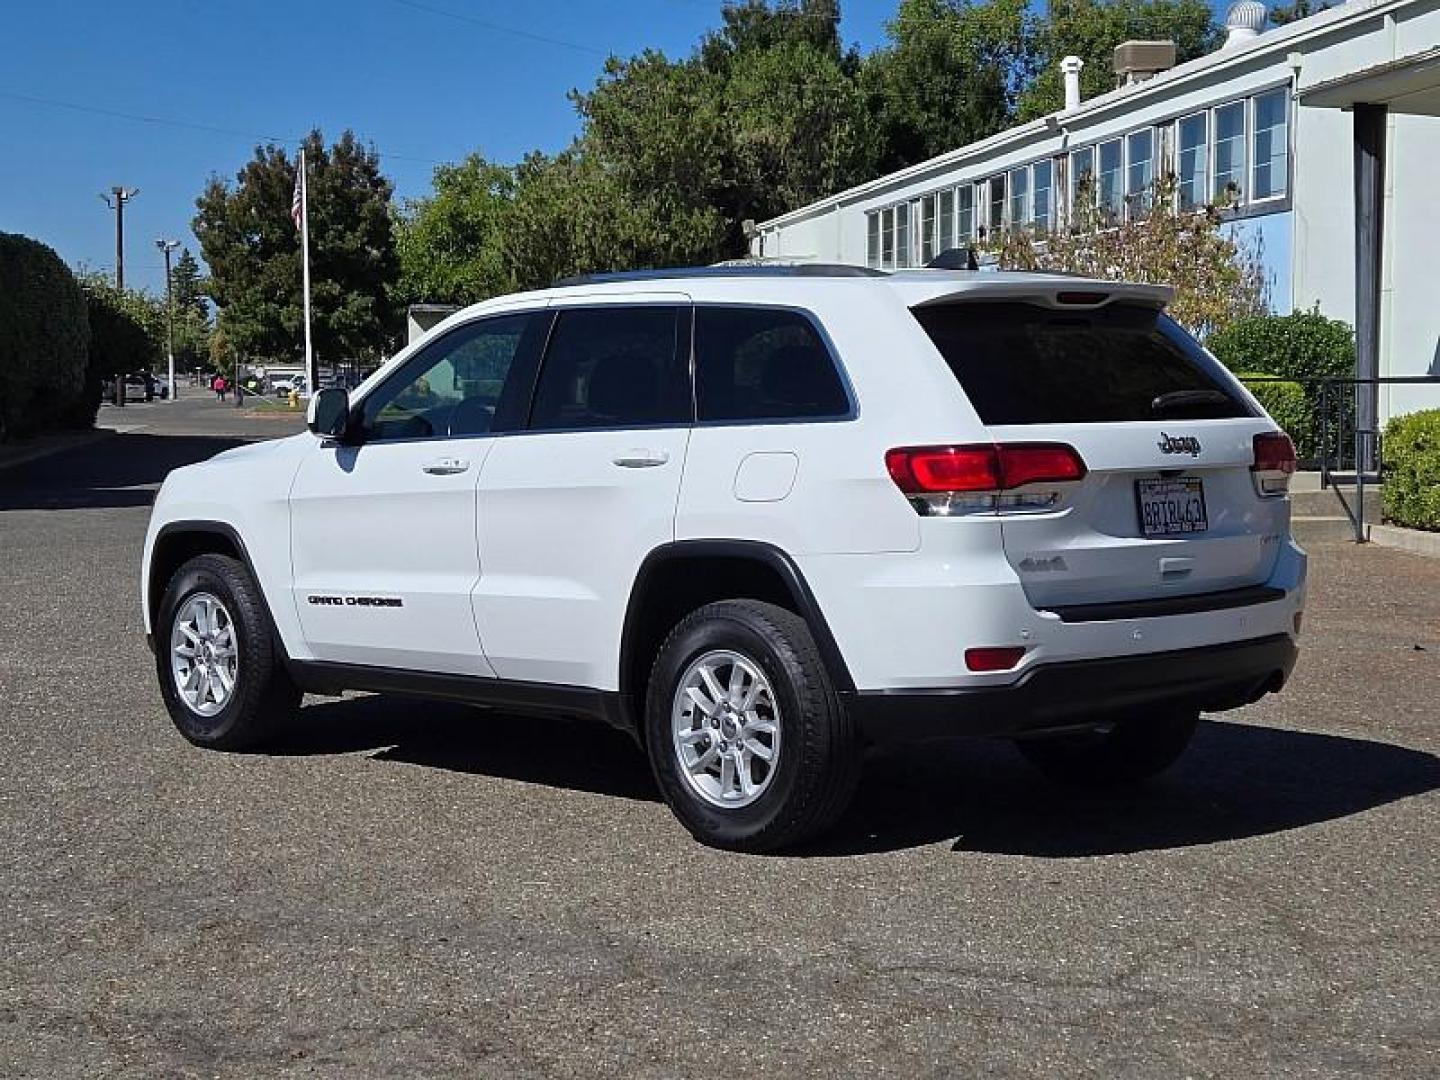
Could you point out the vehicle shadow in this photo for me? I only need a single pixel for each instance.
(1236, 780)
(113, 472)
(580, 755)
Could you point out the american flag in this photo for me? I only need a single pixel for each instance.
(297, 201)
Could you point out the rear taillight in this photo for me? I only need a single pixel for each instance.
(962, 479)
(1274, 463)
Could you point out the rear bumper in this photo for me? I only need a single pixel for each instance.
(1056, 696)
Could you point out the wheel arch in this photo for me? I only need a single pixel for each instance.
(177, 542)
(678, 577)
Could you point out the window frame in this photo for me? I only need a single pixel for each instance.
(1049, 223)
(1020, 173)
(1203, 198)
(853, 411)
(1252, 105)
(525, 366)
(964, 205)
(1243, 171)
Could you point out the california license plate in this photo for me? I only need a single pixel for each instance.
(1173, 507)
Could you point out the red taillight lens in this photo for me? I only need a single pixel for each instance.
(1274, 452)
(988, 467)
(994, 658)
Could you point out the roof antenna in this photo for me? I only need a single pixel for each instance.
(956, 258)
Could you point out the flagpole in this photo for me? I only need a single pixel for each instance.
(312, 376)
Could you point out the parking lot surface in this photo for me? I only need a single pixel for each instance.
(405, 888)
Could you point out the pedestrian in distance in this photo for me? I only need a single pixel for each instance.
(219, 387)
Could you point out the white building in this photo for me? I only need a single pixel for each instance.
(1313, 126)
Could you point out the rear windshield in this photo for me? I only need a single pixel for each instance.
(1024, 364)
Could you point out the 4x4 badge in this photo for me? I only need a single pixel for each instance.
(1179, 444)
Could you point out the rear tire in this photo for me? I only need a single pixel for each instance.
(1126, 752)
(222, 672)
(772, 696)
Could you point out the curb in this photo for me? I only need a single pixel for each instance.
(1415, 541)
(53, 445)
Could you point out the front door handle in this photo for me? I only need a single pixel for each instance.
(448, 466)
(641, 459)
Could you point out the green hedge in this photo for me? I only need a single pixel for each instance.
(44, 335)
(1289, 407)
(1410, 455)
(1301, 345)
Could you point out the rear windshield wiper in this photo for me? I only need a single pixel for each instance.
(1188, 399)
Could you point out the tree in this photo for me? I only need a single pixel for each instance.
(44, 338)
(1281, 14)
(253, 250)
(950, 77)
(452, 245)
(1217, 279)
(1090, 29)
(127, 331)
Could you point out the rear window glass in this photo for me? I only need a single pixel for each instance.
(1024, 364)
(763, 364)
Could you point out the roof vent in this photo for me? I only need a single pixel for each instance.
(1136, 61)
(1243, 22)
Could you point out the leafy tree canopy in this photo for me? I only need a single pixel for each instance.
(253, 251)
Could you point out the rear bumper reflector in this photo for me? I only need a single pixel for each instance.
(1159, 607)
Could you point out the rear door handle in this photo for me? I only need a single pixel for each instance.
(641, 459)
(448, 466)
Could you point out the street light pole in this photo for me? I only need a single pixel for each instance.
(116, 200)
(166, 247)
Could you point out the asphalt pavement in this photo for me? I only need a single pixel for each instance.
(414, 889)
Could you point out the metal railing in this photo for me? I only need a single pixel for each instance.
(1344, 447)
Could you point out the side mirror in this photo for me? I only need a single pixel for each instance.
(328, 414)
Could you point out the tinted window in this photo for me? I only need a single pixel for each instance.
(461, 384)
(612, 367)
(1022, 364)
(763, 364)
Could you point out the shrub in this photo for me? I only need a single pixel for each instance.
(1410, 456)
(1301, 345)
(125, 337)
(44, 334)
(1288, 405)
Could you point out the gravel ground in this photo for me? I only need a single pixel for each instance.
(417, 889)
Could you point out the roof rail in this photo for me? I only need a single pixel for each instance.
(836, 270)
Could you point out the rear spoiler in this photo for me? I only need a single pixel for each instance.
(1057, 292)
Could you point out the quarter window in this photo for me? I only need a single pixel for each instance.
(472, 381)
(1229, 172)
(1271, 146)
(612, 367)
(763, 364)
(1190, 161)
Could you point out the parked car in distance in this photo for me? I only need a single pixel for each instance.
(758, 517)
(138, 388)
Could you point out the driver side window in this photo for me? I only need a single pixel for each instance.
(467, 383)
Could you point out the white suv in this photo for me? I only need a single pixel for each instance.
(758, 517)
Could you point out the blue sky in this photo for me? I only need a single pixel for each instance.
(422, 86)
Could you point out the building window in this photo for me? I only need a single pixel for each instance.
(1108, 177)
(1019, 198)
(902, 235)
(1229, 172)
(1271, 144)
(964, 214)
(1140, 171)
(996, 216)
(927, 229)
(887, 238)
(1041, 182)
(1190, 161)
(1082, 179)
(872, 239)
(946, 219)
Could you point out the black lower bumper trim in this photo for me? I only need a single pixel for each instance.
(1053, 697)
(1158, 607)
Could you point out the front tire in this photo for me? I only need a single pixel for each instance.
(748, 741)
(222, 673)
(1127, 751)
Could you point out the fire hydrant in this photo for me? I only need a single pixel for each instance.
(294, 397)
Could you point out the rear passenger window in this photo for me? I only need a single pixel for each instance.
(612, 367)
(763, 364)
